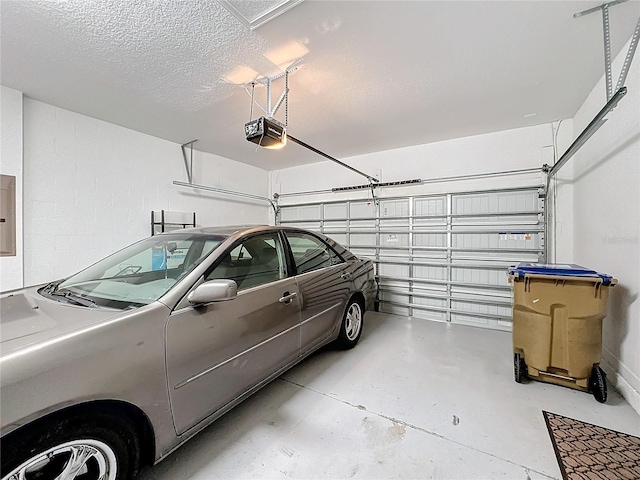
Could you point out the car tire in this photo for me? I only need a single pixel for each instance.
(598, 384)
(520, 369)
(100, 446)
(352, 323)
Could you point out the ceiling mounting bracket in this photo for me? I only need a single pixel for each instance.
(271, 108)
(604, 8)
(630, 53)
(188, 163)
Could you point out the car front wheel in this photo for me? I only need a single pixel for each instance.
(102, 448)
(351, 327)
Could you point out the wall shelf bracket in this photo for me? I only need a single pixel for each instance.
(188, 163)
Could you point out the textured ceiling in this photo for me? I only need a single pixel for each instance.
(373, 75)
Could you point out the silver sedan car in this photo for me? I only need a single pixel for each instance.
(118, 365)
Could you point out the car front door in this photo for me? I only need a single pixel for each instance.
(217, 352)
(324, 287)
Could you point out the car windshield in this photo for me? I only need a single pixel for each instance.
(137, 275)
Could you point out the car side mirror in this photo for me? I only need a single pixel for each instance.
(213, 291)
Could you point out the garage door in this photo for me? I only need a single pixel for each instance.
(441, 257)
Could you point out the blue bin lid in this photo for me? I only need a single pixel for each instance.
(557, 270)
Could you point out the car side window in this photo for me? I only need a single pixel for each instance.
(311, 253)
(255, 261)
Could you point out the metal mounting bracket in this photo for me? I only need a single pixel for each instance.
(271, 109)
(604, 8)
(372, 186)
(276, 208)
(586, 134)
(188, 164)
(630, 53)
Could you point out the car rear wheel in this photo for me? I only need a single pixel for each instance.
(80, 448)
(598, 384)
(519, 368)
(351, 327)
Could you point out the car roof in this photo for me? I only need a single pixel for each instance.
(240, 230)
(226, 230)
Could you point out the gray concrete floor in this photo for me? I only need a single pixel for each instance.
(414, 399)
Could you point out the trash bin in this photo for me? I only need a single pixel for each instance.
(557, 325)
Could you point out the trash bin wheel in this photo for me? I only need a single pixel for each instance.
(519, 368)
(598, 384)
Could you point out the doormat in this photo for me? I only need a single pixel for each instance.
(588, 452)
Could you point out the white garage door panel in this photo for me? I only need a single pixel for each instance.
(304, 213)
(393, 271)
(423, 238)
(362, 209)
(336, 212)
(441, 257)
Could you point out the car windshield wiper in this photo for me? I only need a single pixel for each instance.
(74, 298)
(51, 287)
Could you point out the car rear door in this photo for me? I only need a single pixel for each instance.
(324, 285)
(218, 351)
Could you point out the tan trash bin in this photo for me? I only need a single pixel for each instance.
(557, 325)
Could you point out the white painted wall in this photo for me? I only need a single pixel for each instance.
(523, 148)
(606, 189)
(11, 270)
(90, 187)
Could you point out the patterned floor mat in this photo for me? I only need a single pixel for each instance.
(588, 452)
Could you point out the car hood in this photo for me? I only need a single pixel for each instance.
(27, 318)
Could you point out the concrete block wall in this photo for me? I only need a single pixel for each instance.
(11, 271)
(90, 187)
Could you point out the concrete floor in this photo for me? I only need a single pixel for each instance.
(414, 399)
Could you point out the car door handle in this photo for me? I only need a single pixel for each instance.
(287, 297)
(345, 276)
